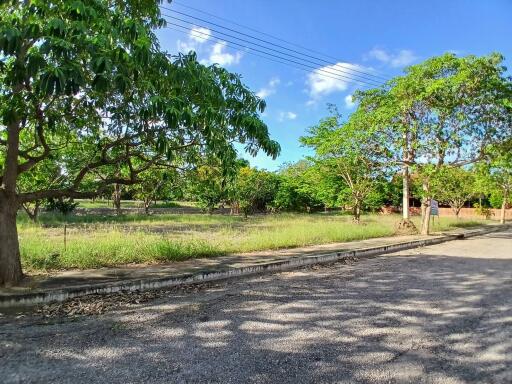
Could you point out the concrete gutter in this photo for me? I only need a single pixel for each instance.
(61, 294)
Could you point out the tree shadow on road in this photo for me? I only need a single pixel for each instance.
(411, 318)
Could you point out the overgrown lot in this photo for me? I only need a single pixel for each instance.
(98, 241)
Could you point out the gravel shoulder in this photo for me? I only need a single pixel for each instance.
(439, 314)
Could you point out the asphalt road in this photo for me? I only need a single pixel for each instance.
(441, 314)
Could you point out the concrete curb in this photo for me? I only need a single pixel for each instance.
(58, 295)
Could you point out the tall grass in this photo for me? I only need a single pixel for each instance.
(93, 241)
(49, 219)
(102, 203)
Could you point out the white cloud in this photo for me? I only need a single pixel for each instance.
(404, 57)
(265, 92)
(196, 37)
(199, 34)
(219, 56)
(286, 116)
(186, 46)
(269, 89)
(400, 59)
(215, 53)
(274, 82)
(326, 80)
(349, 102)
(380, 55)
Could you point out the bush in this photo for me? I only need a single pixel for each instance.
(483, 211)
(496, 200)
(254, 190)
(64, 206)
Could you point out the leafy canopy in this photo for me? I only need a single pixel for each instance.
(446, 110)
(86, 86)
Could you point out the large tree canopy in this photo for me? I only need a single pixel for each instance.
(85, 86)
(444, 111)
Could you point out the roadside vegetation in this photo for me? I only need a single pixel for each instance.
(92, 107)
(108, 204)
(99, 241)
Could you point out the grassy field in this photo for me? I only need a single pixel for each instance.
(97, 241)
(101, 203)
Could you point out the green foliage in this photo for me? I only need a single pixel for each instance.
(69, 64)
(207, 186)
(444, 111)
(449, 185)
(300, 188)
(62, 205)
(254, 190)
(496, 199)
(495, 174)
(99, 241)
(376, 198)
(85, 86)
(156, 184)
(341, 154)
(390, 191)
(481, 210)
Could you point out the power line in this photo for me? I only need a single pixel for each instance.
(174, 2)
(315, 69)
(264, 41)
(333, 67)
(269, 35)
(307, 70)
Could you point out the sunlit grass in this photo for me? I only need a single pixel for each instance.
(57, 219)
(102, 203)
(97, 241)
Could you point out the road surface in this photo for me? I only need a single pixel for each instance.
(440, 314)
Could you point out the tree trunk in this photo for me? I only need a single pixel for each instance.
(405, 190)
(147, 204)
(503, 208)
(423, 209)
(458, 208)
(116, 198)
(235, 208)
(32, 213)
(10, 264)
(357, 213)
(405, 226)
(425, 220)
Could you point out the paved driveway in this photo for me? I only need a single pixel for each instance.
(441, 314)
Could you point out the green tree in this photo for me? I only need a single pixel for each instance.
(206, 185)
(444, 111)
(352, 161)
(495, 175)
(453, 186)
(299, 187)
(254, 190)
(156, 183)
(212, 183)
(86, 85)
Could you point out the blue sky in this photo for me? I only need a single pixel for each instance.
(381, 37)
